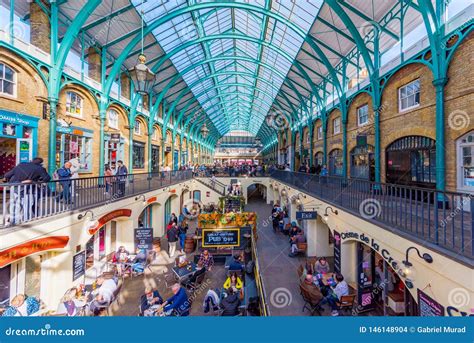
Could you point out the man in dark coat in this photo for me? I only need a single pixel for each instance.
(230, 304)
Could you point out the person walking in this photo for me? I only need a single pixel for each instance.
(121, 179)
(183, 229)
(172, 238)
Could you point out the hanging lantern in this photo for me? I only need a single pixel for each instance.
(143, 78)
(204, 131)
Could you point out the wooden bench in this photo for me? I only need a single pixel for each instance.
(301, 248)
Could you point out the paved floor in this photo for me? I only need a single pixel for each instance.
(278, 270)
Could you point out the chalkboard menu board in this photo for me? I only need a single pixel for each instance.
(337, 252)
(144, 238)
(78, 265)
(429, 307)
(220, 238)
(233, 204)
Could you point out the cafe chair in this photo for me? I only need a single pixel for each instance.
(192, 286)
(346, 303)
(310, 304)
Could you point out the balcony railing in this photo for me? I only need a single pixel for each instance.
(25, 202)
(444, 219)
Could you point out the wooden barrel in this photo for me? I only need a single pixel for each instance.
(188, 245)
(157, 244)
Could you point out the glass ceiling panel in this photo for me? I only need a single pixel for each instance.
(234, 98)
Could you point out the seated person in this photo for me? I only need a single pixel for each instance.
(70, 305)
(295, 240)
(336, 293)
(178, 302)
(207, 260)
(104, 295)
(147, 300)
(322, 266)
(236, 263)
(120, 258)
(211, 300)
(311, 288)
(234, 282)
(139, 262)
(293, 231)
(230, 304)
(200, 269)
(22, 306)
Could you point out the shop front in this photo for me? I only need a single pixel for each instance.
(155, 158)
(114, 148)
(18, 139)
(74, 142)
(176, 160)
(362, 162)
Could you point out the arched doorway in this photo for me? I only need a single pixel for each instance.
(171, 206)
(336, 162)
(411, 161)
(256, 192)
(149, 218)
(318, 158)
(362, 162)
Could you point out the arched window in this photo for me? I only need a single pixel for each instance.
(7, 80)
(465, 165)
(318, 158)
(411, 161)
(74, 104)
(113, 119)
(138, 127)
(335, 162)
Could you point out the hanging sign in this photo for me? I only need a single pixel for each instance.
(220, 238)
(337, 252)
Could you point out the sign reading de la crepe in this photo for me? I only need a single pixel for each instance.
(123, 212)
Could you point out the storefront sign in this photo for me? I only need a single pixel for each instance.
(306, 215)
(337, 252)
(108, 217)
(115, 137)
(72, 130)
(152, 199)
(144, 238)
(429, 307)
(220, 238)
(18, 119)
(32, 247)
(373, 244)
(78, 265)
(361, 140)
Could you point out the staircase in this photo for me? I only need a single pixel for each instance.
(217, 186)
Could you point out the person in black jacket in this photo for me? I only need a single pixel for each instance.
(24, 197)
(230, 304)
(147, 300)
(172, 238)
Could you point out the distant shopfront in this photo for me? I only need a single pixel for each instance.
(114, 148)
(18, 139)
(74, 142)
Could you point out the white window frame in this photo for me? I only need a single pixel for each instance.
(460, 167)
(15, 83)
(320, 133)
(359, 111)
(137, 130)
(338, 120)
(116, 121)
(400, 109)
(68, 101)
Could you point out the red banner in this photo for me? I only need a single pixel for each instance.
(152, 199)
(123, 212)
(18, 252)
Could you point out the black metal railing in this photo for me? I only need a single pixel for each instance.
(445, 219)
(214, 184)
(25, 202)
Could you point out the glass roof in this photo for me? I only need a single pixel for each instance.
(229, 57)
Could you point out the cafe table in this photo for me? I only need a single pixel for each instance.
(184, 272)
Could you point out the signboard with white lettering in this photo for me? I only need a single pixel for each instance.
(337, 252)
(306, 215)
(78, 265)
(220, 238)
(429, 307)
(144, 238)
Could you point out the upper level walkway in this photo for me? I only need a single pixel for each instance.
(439, 220)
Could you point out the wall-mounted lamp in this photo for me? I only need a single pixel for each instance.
(141, 196)
(408, 272)
(91, 222)
(326, 215)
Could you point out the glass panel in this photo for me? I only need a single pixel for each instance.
(33, 276)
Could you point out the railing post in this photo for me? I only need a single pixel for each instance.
(471, 200)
